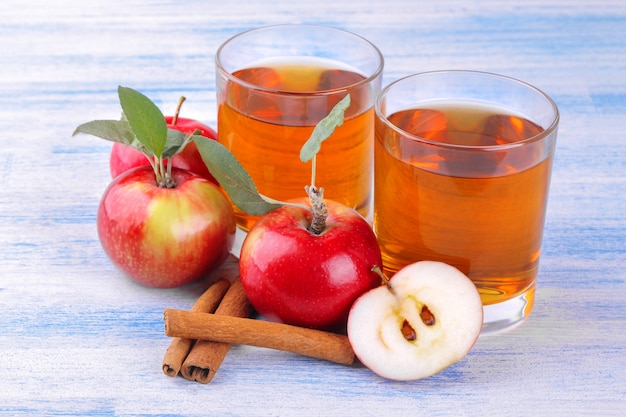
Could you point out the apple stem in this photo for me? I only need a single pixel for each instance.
(408, 332)
(320, 211)
(385, 281)
(180, 104)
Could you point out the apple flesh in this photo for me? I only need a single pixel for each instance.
(294, 276)
(427, 318)
(123, 157)
(165, 237)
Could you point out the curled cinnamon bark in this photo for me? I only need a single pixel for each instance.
(303, 341)
(179, 347)
(206, 356)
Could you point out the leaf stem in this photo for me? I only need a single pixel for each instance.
(169, 168)
(313, 169)
(162, 172)
(152, 164)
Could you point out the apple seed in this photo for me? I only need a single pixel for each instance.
(407, 331)
(427, 317)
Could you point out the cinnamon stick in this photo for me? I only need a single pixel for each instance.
(206, 356)
(179, 347)
(309, 342)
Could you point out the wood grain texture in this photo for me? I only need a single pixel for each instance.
(79, 339)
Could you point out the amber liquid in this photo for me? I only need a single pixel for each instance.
(266, 129)
(481, 211)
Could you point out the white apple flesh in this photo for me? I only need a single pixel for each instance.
(427, 318)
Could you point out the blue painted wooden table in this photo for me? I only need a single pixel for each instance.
(79, 338)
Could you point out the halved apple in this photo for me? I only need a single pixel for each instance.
(427, 317)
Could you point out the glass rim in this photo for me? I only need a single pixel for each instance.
(531, 139)
(367, 80)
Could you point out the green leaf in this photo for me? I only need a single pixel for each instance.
(113, 130)
(145, 119)
(324, 129)
(233, 177)
(176, 142)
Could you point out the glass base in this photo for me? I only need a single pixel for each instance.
(498, 318)
(504, 316)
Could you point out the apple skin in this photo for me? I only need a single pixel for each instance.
(162, 237)
(293, 276)
(124, 157)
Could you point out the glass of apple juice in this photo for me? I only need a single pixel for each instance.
(274, 84)
(462, 170)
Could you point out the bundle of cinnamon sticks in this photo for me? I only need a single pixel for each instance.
(219, 318)
(198, 360)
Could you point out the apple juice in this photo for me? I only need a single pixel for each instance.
(265, 119)
(477, 202)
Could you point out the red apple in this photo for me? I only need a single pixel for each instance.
(124, 157)
(165, 237)
(298, 277)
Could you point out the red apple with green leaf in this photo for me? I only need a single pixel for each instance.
(294, 275)
(304, 262)
(124, 157)
(162, 226)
